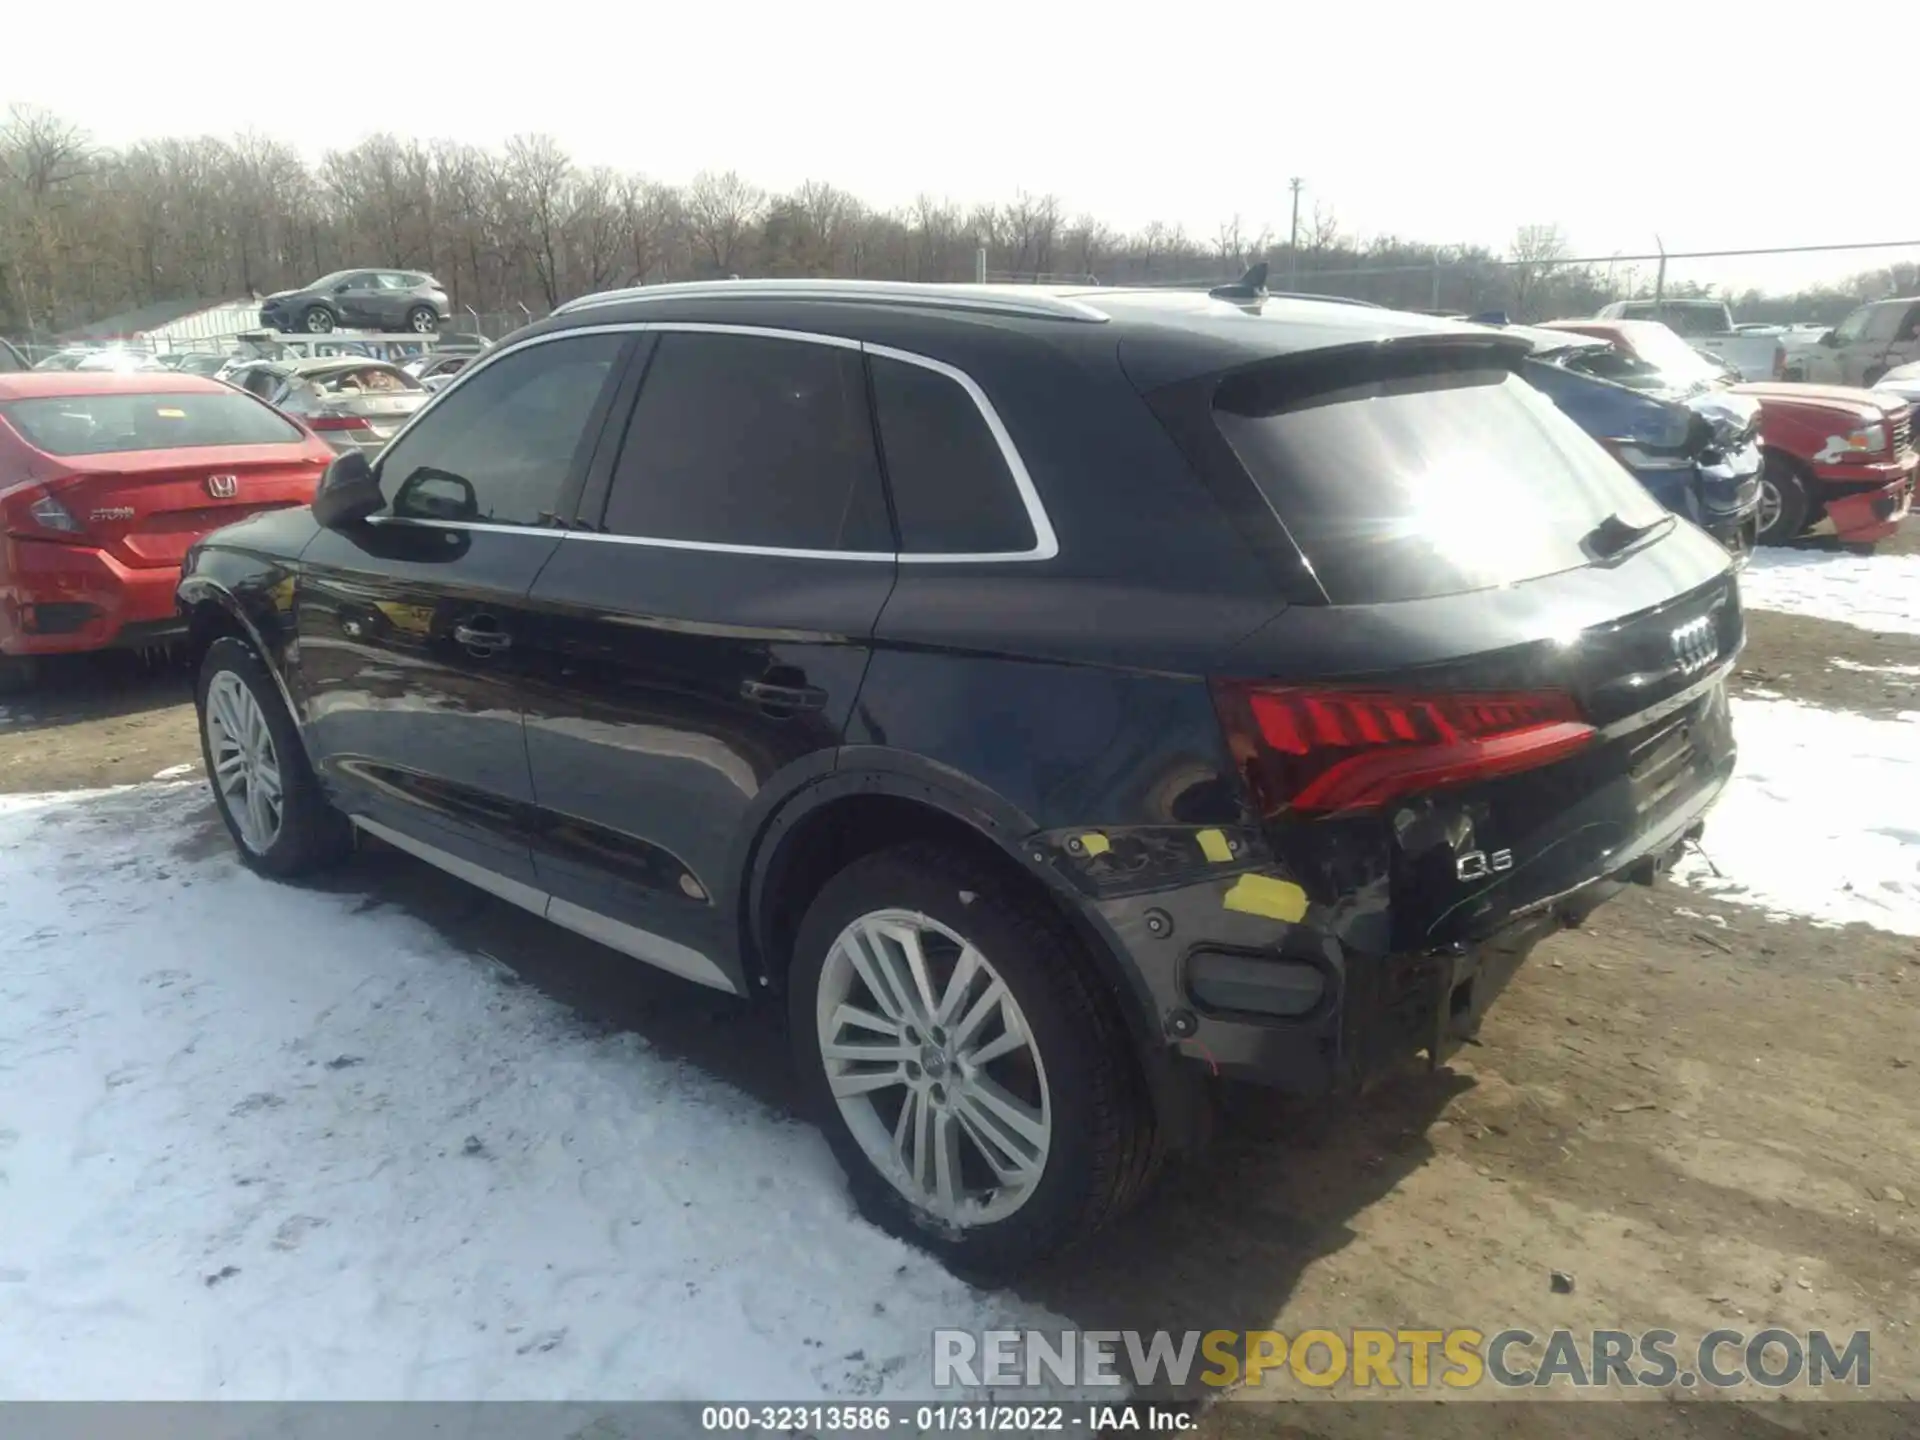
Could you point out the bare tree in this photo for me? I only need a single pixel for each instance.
(721, 210)
(1536, 253)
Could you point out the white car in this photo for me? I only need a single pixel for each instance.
(1903, 381)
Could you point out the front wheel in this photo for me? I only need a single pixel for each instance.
(967, 1068)
(263, 787)
(1784, 501)
(318, 320)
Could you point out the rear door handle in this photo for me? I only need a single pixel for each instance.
(770, 696)
(482, 639)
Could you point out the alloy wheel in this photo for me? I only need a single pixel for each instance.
(423, 322)
(1770, 505)
(246, 767)
(934, 1067)
(319, 322)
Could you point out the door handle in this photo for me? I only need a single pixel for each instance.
(482, 639)
(772, 697)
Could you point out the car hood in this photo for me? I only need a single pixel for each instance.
(1855, 404)
(1731, 417)
(284, 294)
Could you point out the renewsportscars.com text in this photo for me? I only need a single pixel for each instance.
(1382, 1359)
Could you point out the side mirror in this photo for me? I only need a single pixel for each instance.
(348, 492)
(430, 494)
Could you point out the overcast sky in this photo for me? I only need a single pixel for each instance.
(1446, 123)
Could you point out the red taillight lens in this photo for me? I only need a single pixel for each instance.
(338, 422)
(1319, 751)
(32, 511)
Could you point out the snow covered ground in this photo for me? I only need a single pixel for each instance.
(259, 1142)
(1822, 818)
(1875, 592)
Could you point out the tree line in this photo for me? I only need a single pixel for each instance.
(87, 232)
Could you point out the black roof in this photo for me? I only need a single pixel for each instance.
(1165, 335)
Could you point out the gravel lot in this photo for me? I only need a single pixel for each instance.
(1700, 1110)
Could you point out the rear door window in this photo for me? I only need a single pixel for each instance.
(750, 440)
(1416, 477)
(110, 424)
(953, 491)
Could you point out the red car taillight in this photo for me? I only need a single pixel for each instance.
(1322, 751)
(338, 422)
(32, 512)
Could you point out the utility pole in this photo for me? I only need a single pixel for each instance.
(1293, 242)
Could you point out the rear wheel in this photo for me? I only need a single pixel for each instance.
(263, 787)
(964, 1063)
(318, 320)
(422, 321)
(1784, 501)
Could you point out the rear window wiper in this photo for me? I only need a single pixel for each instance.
(1613, 534)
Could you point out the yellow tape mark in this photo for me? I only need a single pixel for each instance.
(167, 412)
(1263, 895)
(1214, 846)
(1095, 843)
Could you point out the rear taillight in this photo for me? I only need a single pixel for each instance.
(32, 511)
(338, 422)
(1323, 751)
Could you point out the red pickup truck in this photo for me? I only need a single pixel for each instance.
(1839, 460)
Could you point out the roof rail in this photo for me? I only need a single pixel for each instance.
(1028, 301)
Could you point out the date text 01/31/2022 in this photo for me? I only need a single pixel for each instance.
(949, 1418)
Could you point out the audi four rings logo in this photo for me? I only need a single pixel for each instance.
(1695, 645)
(223, 487)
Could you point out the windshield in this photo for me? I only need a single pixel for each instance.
(1675, 358)
(362, 380)
(1420, 480)
(106, 424)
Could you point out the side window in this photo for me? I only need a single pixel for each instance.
(748, 440)
(953, 493)
(1883, 321)
(499, 449)
(1854, 326)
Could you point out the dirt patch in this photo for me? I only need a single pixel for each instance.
(97, 720)
(1824, 662)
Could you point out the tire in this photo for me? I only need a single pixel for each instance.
(422, 321)
(1873, 376)
(1100, 1149)
(1785, 503)
(318, 320)
(309, 833)
(18, 674)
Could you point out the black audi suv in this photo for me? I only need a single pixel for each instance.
(1051, 698)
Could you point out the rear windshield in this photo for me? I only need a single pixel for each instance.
(1424, 480)
(105, 424)
(372, 380)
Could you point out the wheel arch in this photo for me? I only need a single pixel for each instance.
(213, 611)
(879, 799)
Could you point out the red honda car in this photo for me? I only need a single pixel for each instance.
(105, 480)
